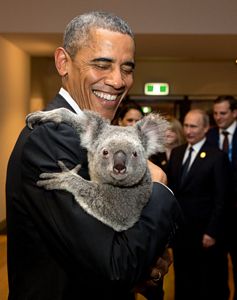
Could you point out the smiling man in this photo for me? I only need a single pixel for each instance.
(100, 73)
(55, 249)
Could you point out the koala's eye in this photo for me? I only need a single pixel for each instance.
(105, 152)
(134, 154)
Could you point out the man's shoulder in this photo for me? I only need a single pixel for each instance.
(212, 152)
(213, 132)
(179, 149)
(55, 133)
(58, 102)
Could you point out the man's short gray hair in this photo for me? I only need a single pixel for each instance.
(77, 32)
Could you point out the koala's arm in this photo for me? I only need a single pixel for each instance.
(58, 115)
(88, 194)
(69, 181)
(83, 123)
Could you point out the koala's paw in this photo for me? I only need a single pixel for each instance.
(37, 117)
(61, 181)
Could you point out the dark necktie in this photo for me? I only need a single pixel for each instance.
(185, 167)
(225, 145)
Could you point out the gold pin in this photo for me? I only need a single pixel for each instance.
(203, 154)
(163, 162)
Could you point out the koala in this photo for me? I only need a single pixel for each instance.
(120, 183)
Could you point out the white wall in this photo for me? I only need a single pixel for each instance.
(14, 97)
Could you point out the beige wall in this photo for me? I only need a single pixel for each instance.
(152, 16)
(203, 78)
(14, 96)
(187, 77)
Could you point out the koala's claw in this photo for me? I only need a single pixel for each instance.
(65, 169)
(62, 166)
(33, 118)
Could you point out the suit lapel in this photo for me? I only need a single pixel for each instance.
(198, 161)
(59, 102)
(234, 146)
(180, 157)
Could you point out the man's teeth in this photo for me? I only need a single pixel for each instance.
(107, 97)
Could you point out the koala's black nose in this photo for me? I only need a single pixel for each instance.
(119, 162)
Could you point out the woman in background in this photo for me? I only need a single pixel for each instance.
(128, 114)
(174, 138)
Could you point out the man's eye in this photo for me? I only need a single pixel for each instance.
(127, 69)
(102, 66)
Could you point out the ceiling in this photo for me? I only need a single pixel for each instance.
(180, 47)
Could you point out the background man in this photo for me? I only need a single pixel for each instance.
(198, 175)
(224, 136)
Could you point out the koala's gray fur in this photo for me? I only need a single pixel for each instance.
(120, 183)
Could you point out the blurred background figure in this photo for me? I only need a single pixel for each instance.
(224, 136)
(128, 114)
(174, 137)
(198, 174)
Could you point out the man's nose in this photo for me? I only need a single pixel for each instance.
(115, 79)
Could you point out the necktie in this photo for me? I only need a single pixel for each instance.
(185, 167)
(225, 145)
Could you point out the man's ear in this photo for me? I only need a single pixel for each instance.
(235, 113)
(61, 61)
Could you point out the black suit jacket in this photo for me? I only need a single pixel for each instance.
(161, 160)
(203, 194)
(213, 139)
(55, 249)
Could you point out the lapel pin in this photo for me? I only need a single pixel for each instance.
(203, 154)
(164, 162)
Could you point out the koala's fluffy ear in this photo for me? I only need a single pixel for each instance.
(91, 125)
(152, 130)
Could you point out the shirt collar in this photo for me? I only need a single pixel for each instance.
(70, 100)
(196, 147)
(230, 129)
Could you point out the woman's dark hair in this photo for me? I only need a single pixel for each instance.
(125, 107)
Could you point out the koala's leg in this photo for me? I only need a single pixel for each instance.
(56, 115)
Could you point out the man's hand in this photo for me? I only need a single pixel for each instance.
(158, 271)
(157, 174)
(208, 241)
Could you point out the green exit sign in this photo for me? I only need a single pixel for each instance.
(156, 89)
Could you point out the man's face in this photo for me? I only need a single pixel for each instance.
(101, 73)
(222, 114)
(194, 129)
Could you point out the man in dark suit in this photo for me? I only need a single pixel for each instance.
(198, 176)
(55, 249)
(224, 136)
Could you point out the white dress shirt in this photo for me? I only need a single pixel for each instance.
(70, 101)
(196, 148)
(230, 130)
